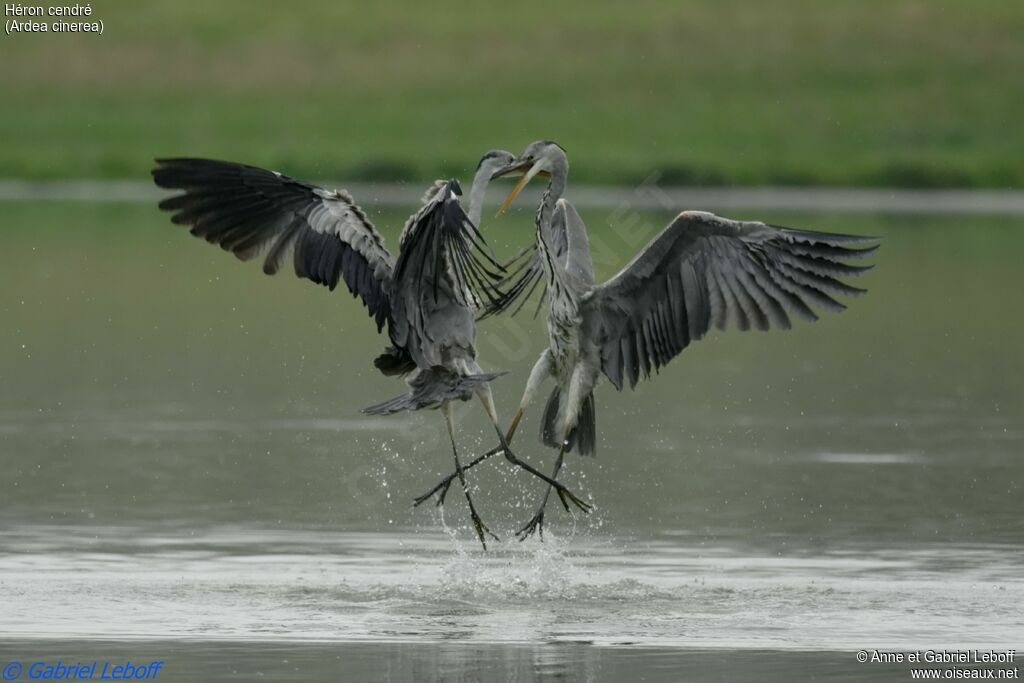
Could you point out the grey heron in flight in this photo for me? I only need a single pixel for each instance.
(700, 270)
(427, 297)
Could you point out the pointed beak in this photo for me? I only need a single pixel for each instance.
(528, 175)
(510, 168)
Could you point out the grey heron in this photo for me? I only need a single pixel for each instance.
(427, 297)
(700, 270)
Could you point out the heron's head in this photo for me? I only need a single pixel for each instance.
(494, 160)
(539, 158)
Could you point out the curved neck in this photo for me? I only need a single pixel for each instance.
(476, 193)
(554, 192)
(558, 290)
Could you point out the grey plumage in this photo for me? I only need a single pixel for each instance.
(582, 438)
(427, 298)
(433, 387)
(249, 210)
(443, 273)
(700, 270)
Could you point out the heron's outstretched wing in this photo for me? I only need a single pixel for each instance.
(249, 210)
(703, 269)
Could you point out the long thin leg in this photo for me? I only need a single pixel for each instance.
(537, 523)
(477, 522)
(563, 492)
(442, 487)
(541, 371)
(572, 402)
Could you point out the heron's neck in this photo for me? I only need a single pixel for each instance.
(546, 239)
(554, 192)
(476, 193)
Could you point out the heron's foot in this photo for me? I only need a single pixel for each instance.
(564, 493)
(441, 490)
(534, 525)
(481, 529)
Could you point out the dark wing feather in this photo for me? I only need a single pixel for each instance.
(527, 271)
(443, 274)
(441, 246)
(525, 275)
(703, 270)
(249, 211)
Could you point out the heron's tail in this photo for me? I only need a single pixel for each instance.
(433, 387)
(583, 437)
(394, 361)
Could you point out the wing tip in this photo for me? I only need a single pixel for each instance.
(827, 237)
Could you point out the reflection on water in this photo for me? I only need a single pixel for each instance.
(184, 459)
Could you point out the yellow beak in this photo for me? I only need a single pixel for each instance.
(527, 177)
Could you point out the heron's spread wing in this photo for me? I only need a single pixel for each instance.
(249, 211)
(703, 269)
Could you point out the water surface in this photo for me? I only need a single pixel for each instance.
(187, 473)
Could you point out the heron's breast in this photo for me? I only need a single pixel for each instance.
(563, 340)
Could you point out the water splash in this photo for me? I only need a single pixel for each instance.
(533, 569)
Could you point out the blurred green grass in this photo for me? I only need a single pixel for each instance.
(908, 93)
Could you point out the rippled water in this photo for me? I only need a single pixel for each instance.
(187, 476)
(235, 583)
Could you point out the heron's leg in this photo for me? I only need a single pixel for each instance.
(541, 371)
(536, 524)
(575, 391)
(477, 522)
(563, 492)
(443, 486)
